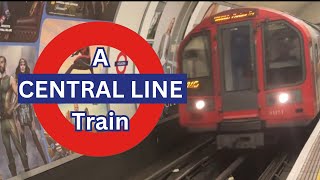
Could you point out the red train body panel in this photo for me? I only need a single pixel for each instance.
(250, 70)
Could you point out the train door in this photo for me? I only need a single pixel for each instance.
(236, 44)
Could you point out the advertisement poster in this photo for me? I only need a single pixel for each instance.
(77, 63)
(98, 10)
(20, 20)
(163, 40)
(22, 143)
(155, 20)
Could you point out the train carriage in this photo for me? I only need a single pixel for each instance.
(250, 70)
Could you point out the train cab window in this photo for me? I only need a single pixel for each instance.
(195, 57)
(283, 57)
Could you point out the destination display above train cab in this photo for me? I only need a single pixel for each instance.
(236, 15)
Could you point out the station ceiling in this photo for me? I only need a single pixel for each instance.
(305, 10)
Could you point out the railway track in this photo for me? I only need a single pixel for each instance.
(222, 165)
(276, 167)
(182, 161)
(205, 162)
(201, 162)
(231, 168)
(218, 165)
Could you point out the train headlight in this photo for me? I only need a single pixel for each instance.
(287, 97)
(203, 105)
(283, 98)
(200, 104)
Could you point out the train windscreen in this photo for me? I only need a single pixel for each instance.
(283, 54)
(195, 57)
(196, 63)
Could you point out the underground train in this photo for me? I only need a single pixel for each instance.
(250, 71)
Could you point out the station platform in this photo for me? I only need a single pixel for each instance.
(307, 165)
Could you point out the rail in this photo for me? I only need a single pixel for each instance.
(179, 160)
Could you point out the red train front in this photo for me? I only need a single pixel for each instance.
(250, 70)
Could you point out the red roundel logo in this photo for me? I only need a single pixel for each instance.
(90, 34)
(121, 55)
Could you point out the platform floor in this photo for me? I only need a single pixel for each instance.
(307, 166)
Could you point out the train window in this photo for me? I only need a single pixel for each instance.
(283, 57)
(195, 59)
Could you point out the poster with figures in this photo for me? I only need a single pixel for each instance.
(77, 63)
(20, 20)
(23, 145)
(163, 40)
(98, 10)
(155, 20)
